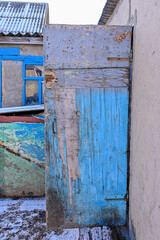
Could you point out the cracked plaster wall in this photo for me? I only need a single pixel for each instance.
(144, 204)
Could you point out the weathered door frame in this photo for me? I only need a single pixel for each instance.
(65, 64)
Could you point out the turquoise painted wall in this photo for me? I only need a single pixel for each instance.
(22, 159)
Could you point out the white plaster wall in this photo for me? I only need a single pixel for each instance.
(120, 14)
(144, 204)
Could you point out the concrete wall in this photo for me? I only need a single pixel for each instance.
(144, 204)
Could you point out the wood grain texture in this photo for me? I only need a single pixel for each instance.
(78, 78)
(86, 46)
(21, 40)
(101, 134)
(67, 122)
(86, 124)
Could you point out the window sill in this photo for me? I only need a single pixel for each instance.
(22, 109)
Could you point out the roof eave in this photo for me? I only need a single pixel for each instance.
(10, 34)
(107, 11)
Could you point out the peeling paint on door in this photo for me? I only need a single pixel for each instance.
(86, 115)
(67, 120)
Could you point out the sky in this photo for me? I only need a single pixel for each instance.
(73, 11)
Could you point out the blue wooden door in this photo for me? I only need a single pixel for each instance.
(86, 109)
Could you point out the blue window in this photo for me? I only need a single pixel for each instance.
(33, 83)
(32, 69)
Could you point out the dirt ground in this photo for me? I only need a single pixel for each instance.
(25, 219)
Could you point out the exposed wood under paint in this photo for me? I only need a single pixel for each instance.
(9, 119)
(22, 109)
(108, 77)
(21, 40)
(86, 124)
(67, 120)
(102, 131)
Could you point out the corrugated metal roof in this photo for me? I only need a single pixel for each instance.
(107, 11)
(22, 18)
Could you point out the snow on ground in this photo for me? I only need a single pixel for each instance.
(25, 219)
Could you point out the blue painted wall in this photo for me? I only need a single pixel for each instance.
(22, 153)
(22, 159)
(10, 51)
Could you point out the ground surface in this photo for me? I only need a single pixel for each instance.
(24, 219)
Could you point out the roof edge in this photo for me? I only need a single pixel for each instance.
(23, 19)
(107, 11)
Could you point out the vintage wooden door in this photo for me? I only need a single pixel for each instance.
(86, 110)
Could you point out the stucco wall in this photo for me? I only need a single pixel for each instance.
(144, 203)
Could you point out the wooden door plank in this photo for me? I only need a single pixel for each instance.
(86, 109)
(88, 166)
(86, 46)
(79, 78)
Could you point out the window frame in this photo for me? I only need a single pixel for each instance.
(25, 78)
(13, 53)
(0, 82)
